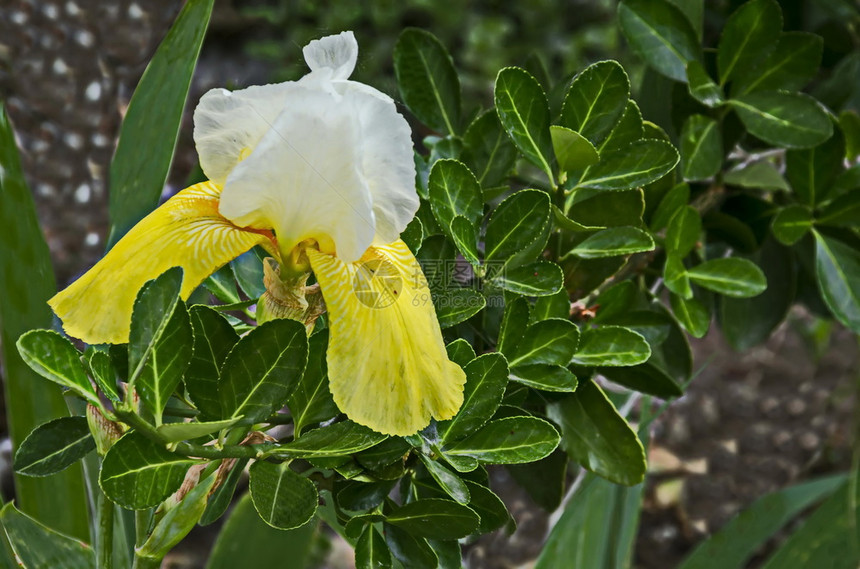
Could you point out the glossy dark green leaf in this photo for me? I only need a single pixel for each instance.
(150, 127)
(55, 358)
(214, 337)
(512, 440)
(844, 211)
(545, 377)
(248, 270)
(371, 551)
(597, 437)
(544, 480)
(701, 148)
(811, 171)
(628, 130)
(837, 269)
(748, 36)
(516, 223)
(222, 284)
(26, 283)
(729, 276)
(702, 87)
(789, 67)
(176, 523)
(435, 519)
(311, 401)
(551, 341)
(514, 322)
(672, 201)
(486, 379)
(791, 223)
(154, 308)
(168, 359)
(448, 552)
(683, 232)
(637, 164)
(613, 242)
(389, 451)
(102, 371)
(427, 80)
(611, 346)
(786, 120)
(284, 499)
(524, 113)
(361, 496)
(488, 506)
(676, 278)
(660, 34)
(340, 439)
(413, 235)
(412, 552)
(645, 378)
(452, 484)
(736, 542)
(488, 151)
(596, 100)
(849, 124)
(454, 191)
(54, 446)
(262, 370)
(693, 316)
(572, 150)
(457, 305)
(465, 237)
(828, 538)
(37, 546)
(460, 351)
(541, 278)
(746, 322)
(138, 473)
(847, 181)
(759, 175)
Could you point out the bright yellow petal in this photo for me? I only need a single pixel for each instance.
(387, 364)
(186, 231)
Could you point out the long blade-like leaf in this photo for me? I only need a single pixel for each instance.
(26, 283)
(151, 126)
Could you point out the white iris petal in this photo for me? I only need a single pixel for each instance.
(323, 158)
(226, 124)
(338, 53)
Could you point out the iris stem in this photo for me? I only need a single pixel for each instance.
(192, 449)
(104, 539)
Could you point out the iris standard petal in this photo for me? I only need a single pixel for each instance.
(228, 125)
(305, 179)
(388, 164)
(186, 231)
(387, 364)
(337, 53)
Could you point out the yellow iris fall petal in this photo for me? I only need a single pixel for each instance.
(387, 364)
(186, 231)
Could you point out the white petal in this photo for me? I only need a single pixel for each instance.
(387, 163)
(305, 180)
(338, 53)
(228, 125)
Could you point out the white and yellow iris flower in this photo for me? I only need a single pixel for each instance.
(319, 172)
